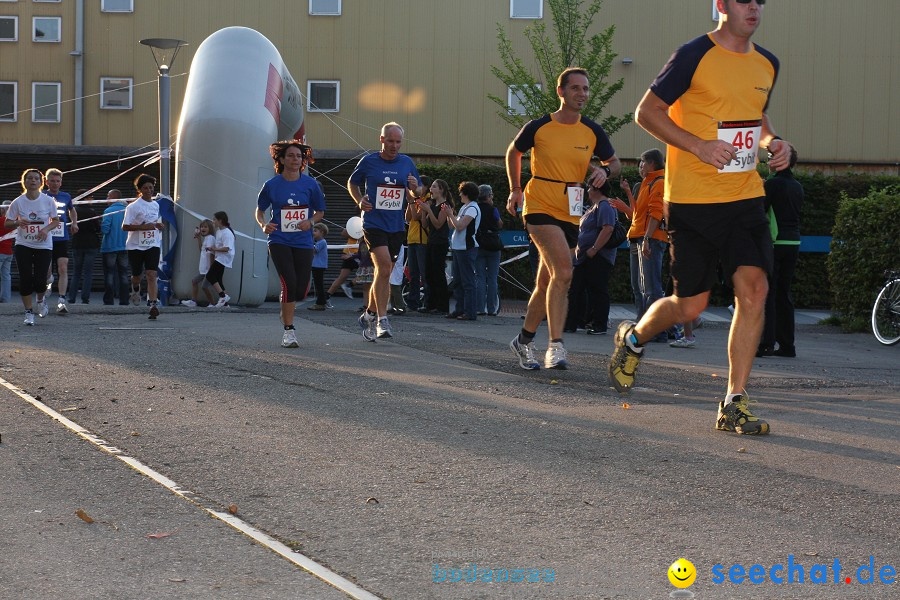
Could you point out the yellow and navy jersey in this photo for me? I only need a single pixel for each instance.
(561, 153)
(715, 93)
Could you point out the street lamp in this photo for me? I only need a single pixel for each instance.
(164, 51)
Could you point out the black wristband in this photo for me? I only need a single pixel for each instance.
(607, 169)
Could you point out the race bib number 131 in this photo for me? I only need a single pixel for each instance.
(744, 136)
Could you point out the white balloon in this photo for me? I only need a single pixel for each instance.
(354, 227)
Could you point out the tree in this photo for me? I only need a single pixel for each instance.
(571, 47)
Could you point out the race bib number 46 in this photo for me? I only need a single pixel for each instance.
(292, 217)
(744, 136)
(389, 197)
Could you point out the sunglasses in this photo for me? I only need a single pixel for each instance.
(760, 2)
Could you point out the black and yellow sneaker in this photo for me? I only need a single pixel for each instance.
(624, 360)
(737, 417)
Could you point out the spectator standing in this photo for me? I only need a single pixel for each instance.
(435, 219)
(784, 200)
(465, 249)
(593, 262)
(417, 247)
(222, 253)
(349, 263)
(206, 239)
(319, 264)
(487, 265)
(85, 248)
(112, 249)
(6, 256)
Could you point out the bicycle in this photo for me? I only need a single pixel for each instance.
(886, 311)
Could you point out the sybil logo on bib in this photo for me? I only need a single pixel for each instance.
(291, 218)
(389, 197)
(575, 194)
(744, 136)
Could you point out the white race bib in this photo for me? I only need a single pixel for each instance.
(59, 230)
(291, 217)
(389, 197)
(147, 239)
(744, 136)
(31, 232)
(576, 200)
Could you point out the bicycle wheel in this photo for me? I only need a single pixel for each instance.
(886, 314)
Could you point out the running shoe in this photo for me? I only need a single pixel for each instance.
(135, 297)
(624, 360)
(223, 301)
(329, 305)
(592, 331)
(367, 324)
(289, 339)
(154, 310)
(29, 317)
(683, 342)
(61, 307)
(348, 291)
(556, 356)
(189, 303)
(383, 328)
(525, 354)
(43, 309)
(737, 417)
(316, 307)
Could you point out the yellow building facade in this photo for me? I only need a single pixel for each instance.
(72, 72)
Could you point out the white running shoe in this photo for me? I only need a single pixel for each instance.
(189, 303)
(43, 309)
(289, 339)
(383, 329)
(154, 310)
(525, 354)
(223, 301)
(29, 317)
(348, 291)
(367, 324)
(61, 307)
(556, 356)
(683, 342)
(135, 297)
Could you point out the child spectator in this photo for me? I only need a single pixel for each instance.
(205, 241)
(223, 255)
(349, 263)
(319, 264)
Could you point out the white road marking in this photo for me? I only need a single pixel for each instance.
(304, 562)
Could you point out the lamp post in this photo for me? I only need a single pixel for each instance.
(164, 51)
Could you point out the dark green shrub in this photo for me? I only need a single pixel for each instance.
(866, 242)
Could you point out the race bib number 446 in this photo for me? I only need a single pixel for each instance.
(292, 217)
(389, 197)
(744, 136)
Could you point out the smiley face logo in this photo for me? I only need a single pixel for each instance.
(682, 573)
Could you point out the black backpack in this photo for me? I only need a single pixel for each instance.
(487, 235)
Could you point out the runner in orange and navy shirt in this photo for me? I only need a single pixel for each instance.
(562, 146)
(708, 104)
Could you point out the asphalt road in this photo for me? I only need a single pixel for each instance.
(402, 462)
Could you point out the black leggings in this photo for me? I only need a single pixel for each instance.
(293, 266)
(215, 273)
(32, 265)
(436, 277)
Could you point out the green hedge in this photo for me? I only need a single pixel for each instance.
(823, 195)
(866, 243)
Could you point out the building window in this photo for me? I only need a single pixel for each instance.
(324, 7)
(323, 96)
(9, 107)
(9, 29)
(115, 93)
(46, 29)
(514, 99)
(45, 102)
(124, 6)
(526, 9)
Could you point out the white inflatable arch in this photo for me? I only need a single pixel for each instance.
(240, 98)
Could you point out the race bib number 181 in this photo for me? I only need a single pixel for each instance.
(744, 136)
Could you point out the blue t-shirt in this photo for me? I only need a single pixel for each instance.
(320, 257)
(297, 201)
(63, 206)
(384, 182)
(589, 228)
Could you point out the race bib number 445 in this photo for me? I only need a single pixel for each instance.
(292, 217)
(389, 197)
(744, 136)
